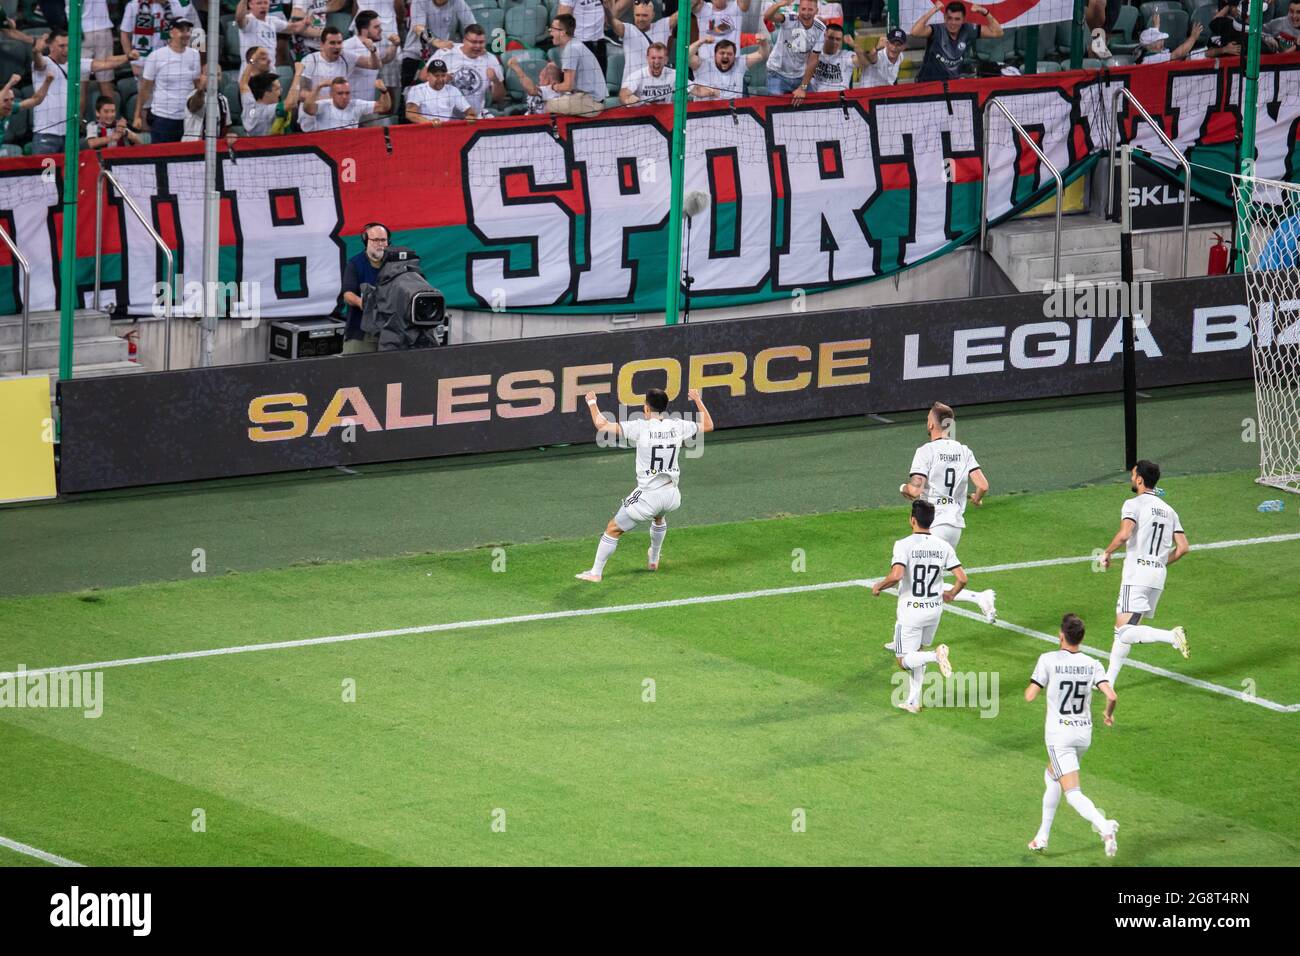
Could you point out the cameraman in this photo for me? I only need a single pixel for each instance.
(363, 268)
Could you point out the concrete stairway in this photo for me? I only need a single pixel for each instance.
(95, 350)
(1089, 251)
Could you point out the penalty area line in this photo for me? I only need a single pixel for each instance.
(26, 850)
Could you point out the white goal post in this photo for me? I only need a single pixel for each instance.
(1269, 228)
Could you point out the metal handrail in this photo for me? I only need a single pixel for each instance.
(158, 240)
(984, 192)
(1169, 145)
(27, 288)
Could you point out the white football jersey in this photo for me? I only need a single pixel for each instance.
(946, 466)
(1068, 677)
(658, 448)
(1152, 538)
(924, 559)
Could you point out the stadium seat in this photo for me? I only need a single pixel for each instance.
(1203, 15)
(20, 125)
(614, 68)
(1152, 7)
(553, 54)
(996, 49)
(527, 22)
(756, 79)
(128, 108)
(127, 86)
(612, 101)
(1123, 39)
(1046, 43)
(341, 20)
(1049, 66)
(286, 77)
(490, 19)
(1173, 22)
(477, 5)
(229, 88)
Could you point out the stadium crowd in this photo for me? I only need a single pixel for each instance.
(319, 65)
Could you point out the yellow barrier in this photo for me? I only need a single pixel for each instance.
(26, 439)
(1073, 202)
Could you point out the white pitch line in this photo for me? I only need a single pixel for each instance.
(656, 605)
(1087, 558)
(1131, 662)
(26, 850)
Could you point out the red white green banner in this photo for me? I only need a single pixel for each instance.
(1009, 13)
(528, 214)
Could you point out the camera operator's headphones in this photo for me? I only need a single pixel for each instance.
(365, 231)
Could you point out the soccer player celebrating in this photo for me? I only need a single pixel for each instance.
(1149, 528)
(1069, 676)
(658, 443)
(942, 471)
(920, 561)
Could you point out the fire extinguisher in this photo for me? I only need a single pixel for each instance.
(1218, 264)
(131, 348)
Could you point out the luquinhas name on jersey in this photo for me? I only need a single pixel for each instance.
(918, 556)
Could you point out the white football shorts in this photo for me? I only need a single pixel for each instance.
(646, 504)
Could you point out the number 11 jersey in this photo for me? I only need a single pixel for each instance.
(1147, 549)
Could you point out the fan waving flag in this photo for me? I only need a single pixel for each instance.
(1009, 13)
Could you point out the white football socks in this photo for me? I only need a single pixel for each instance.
(603, 552)
(915, 663)
(1126, 637)
(1051, 800)
(1118, 651)
(657, 532)
(966, 594)
(1086, 808)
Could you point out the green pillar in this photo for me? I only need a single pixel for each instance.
(1077, 34)
(71, 141)
(893, 15)
(677, 166)
(1249, 107)
(1031, 49)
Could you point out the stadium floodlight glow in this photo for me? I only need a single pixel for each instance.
(1268, 235)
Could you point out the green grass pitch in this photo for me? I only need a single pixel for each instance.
(766, 711)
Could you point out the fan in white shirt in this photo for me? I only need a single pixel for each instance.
(259, 27)
(834, 69)
(640, 33)
(436, 101)
(339, 110)
(654, 84)
(721, 76)
(720, 19)
(50, 116)
(322, 68)
(474, 71)
(879, 66)
(368, 45)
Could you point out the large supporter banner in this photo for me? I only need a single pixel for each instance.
(496, 396)
(570, 215)
(1009, 13)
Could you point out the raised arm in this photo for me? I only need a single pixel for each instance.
(38, 96)
(1184, 48)
(773, 13)
(295, 89)
(992, 28)
(241, 13)
(706, 420)
(921, 28)
(598, 418)
(530, 88)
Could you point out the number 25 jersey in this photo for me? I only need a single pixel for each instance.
(1068, 677)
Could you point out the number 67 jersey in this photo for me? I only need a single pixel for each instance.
(658, 444)
(1068, 677)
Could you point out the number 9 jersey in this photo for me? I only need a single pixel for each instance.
(658, 444)
(946, 466)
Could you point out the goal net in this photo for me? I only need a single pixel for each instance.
(1269, 225)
